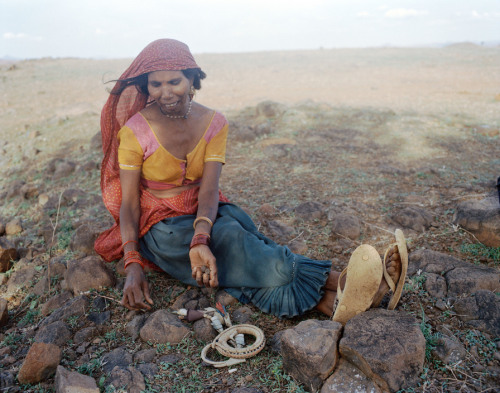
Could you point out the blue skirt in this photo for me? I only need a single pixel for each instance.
(250, 266)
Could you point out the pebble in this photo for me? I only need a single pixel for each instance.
(248, 378)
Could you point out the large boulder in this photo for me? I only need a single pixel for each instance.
(88, 273)
(387, 346)
(460, 277)
(481, 311)
(309, 351)
(482, 218)
(163, 327)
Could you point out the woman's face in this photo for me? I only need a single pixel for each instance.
(170, 90)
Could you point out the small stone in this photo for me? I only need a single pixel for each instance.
(54, 333)
(84, 334)
(55, 302)
(73, 382)
(248, 378)
(13, 227)
(145, 356)
(266, 209)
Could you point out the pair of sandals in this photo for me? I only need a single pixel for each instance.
(364, 273)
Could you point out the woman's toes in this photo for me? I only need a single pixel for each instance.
(391, 270)
(395, 256)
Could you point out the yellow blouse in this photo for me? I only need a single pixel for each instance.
(139, 148)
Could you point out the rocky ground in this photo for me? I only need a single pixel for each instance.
(320, 178)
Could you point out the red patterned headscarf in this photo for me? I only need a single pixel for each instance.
(125, 101)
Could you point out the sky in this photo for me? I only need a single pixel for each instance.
(121, 28)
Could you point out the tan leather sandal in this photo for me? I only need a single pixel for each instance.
(396, 288)
(364, 274)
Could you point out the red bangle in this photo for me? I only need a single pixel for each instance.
(133, 260)
(129, 241)
(199, 239)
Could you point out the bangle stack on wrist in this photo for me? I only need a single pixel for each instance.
(200, 238)
(133, 257)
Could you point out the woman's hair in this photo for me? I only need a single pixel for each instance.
(141, 81)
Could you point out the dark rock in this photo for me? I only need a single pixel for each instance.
(145, 356)
(62, 169)
(70, 196)
(172, 358)
(347, 378)
(481, 311)
(40, 363)
(100, 303)
(85, 334)
(461, 277)
(298, 246)
(186, 297)
(310, 210)
(449, 350)
(57, 267)
(7, 380)
(436, 285)
(13, 188)
(203, 330)
(72, 382)
(275, 342)
(54, 333)
(225, 298)
(99, 318)
(482, 218)
(119, 357)
(128, 378)
(149, 370)
(41, 286)
(88, 273)
(414, 218)
(55, 302)
(279, 230)
(83, 239)
(135, 325)
(344, 225)
(21, 278)
(75, 307)
(309, 351)
(28, 191)
(387, 346)
(163, 327)
(242, 315)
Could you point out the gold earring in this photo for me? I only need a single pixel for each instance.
(192, 92)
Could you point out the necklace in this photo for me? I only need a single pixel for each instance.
(185, 116)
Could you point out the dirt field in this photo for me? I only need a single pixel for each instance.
(362, 131)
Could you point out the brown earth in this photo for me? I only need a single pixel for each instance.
(363, 131)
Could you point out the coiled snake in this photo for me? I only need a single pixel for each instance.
(235, 355)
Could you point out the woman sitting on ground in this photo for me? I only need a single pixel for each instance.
(163, 156)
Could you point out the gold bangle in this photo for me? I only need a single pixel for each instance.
(206, 219)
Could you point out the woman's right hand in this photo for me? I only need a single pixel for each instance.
(136, 289)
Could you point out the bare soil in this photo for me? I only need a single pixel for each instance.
(364, 131)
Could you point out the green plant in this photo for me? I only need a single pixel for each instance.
(28, 318)
(481, 251)
(89, 367)
(430, 338)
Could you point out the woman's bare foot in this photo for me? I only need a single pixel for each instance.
(327, 302)
(393, 267)
(332, 281)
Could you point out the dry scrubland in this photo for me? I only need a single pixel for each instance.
(367, 131)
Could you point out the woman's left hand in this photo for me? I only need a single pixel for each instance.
(203, 266)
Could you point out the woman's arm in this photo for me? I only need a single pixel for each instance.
(136, 288)
(208, 204)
